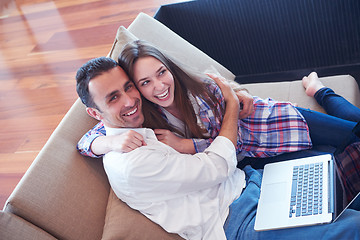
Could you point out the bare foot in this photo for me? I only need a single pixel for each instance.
(312, 84)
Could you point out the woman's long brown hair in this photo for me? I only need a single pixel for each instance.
(184, 83)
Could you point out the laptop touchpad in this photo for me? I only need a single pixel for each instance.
(274, 192)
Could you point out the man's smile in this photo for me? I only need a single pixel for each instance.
(131, 112)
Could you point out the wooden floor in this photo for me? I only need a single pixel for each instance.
(42, 44)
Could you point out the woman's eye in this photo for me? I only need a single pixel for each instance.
(162, 72)
(144, 83)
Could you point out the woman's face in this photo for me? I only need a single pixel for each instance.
(154, 81)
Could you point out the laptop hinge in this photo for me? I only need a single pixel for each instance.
(331, 195)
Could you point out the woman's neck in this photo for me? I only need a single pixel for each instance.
(175, 112)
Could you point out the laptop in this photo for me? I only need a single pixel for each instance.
(301, 192)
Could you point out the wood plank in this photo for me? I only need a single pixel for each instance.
(79, 38)
(42, 44)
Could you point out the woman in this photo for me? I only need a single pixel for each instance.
(181, 102)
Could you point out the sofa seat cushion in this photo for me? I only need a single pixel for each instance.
(122, 222)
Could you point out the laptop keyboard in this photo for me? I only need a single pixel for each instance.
(306, 190)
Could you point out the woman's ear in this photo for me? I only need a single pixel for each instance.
(93, 112)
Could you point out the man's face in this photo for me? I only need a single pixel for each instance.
(117, 98)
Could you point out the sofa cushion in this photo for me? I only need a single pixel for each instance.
(122, 222)
(123, 36)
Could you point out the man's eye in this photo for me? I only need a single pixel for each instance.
(113, 98)
(128, 87)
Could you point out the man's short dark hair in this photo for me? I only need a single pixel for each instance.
(88, 71)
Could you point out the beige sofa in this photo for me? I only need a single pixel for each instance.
(66, 196)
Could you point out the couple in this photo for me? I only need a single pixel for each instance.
(186, 194)
(170, 94)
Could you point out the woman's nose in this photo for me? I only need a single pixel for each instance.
(158, 84)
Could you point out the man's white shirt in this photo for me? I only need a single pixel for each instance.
(185, 194)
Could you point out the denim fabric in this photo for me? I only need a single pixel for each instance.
(336, 105)
(334, 127)
(327, 130)
(241, 219)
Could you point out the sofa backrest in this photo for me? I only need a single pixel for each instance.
(147, 28)
(62, 192)
(165, 39)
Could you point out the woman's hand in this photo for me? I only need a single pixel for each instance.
(179, 144)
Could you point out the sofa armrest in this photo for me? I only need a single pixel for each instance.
(13, 227)
(62, 192)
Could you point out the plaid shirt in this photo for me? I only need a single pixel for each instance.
(273, 128)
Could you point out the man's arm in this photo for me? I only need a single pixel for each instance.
(157, 171)
(229, 124)
(125, 142)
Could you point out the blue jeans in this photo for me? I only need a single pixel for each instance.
(335, 128)
(241, 219)
(336, 105)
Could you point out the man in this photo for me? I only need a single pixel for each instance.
(155, 179)
(195, 196)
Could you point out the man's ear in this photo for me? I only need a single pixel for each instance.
(93, 112)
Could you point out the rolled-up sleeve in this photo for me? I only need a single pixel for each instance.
(84, 145)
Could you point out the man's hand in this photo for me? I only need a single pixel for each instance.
(127, 141)
(124, 142)
(231, 116)
(228, 93)
(245, 99)
(246, 102)
(179, 144)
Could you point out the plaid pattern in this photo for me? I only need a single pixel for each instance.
(273, 128)
(348, 163)
(84, 144)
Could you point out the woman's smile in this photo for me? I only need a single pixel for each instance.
(163, 96)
